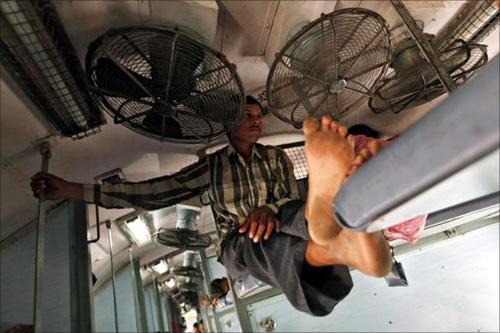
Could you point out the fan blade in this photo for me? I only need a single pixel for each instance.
(160, 52)
(161, 125)
(214, 107)
(111, 77)
(184, 59)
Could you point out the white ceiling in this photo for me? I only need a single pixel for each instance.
(241, 34)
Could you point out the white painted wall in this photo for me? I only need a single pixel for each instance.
(103, 304)
(152, 315)
(453, 287)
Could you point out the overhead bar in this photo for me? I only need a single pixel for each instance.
(485, 205)
(458, 132)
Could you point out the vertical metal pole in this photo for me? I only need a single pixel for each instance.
(156, 295)
(138, 294)
(80, 270)
(206, 280)
(110, 242)
(40, 244)
(424, 45)
(241, 309)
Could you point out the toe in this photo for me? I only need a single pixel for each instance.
(334, 126)
(310, 125)
(351, 141)
(325, 122)
(339, 129)
(374, 146)
(342, 131)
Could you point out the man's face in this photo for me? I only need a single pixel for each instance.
(250, 129)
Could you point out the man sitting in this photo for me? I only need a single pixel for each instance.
(265, 230)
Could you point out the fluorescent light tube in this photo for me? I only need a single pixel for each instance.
(161, 267)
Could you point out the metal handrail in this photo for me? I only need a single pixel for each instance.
(457, 133)
(40, 244)
(97, 225)
(113, 279)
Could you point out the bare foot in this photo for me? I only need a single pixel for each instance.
(329, 157)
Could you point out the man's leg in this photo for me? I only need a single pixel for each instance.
(280, 262)
(329, 158)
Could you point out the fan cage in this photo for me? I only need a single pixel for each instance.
(302, 74)
(211, 102)
(182, 238)
(418, 84)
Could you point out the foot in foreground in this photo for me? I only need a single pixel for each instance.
(329, 158)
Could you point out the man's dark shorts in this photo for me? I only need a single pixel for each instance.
(280, 263)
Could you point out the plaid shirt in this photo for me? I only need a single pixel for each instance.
(236, 187)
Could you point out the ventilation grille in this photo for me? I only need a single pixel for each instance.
(472, 23)
(297, 154)
(37, 54)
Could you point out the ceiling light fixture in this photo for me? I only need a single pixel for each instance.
(160, 267)
(138, 229)
(170, 282)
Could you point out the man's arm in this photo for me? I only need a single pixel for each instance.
(150, 194)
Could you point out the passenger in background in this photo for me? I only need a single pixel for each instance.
(201, 326)
(219, 293)
(196, 328)
(220, 296)
(265, 230)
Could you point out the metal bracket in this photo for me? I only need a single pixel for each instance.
(97, 225)
(424, 45)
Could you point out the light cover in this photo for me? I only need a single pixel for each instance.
(37, 54)
(171, 282)
(138, 230)
(161, 267)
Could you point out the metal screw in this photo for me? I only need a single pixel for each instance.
(268, 324)
(451, 232)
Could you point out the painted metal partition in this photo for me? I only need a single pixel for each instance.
(453, 288)
(80, 271)
(464, 266)
(66, 281)
(458, 132)
(139, 302)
